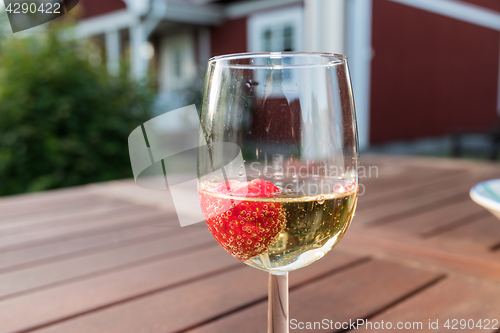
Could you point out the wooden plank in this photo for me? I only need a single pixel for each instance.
(173, 309)
(146, 229)
(437, 220)
(34, 278)
(438, 182)
(430, 162)
(411, 206)
(40, 201)
(127, 190)
(429, 253)
(60, 217)
(351, 294)
(72, 299)
(384, 209)
(483, 233)
(90, 221)
(373, 188)
(32, 219)
(449, 299)
(411, 180)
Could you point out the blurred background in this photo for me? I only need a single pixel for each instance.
(109, 256)
(425, 76)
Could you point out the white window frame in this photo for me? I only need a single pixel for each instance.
(257, 23)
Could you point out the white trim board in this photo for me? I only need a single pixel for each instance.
(200, 15)
(359, 51)
(117, 20)
(124, 18)
(458, 10)
(245, 8)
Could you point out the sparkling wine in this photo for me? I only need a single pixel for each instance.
(282, 231)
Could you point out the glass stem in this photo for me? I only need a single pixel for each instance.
(277, 315)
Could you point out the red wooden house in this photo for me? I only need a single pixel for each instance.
(420, 68)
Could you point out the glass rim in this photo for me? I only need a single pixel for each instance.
(336, 59)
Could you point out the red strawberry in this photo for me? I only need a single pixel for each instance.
(245, 229)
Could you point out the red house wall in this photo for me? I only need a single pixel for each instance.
(91, 8)
(230, 37)
(431, 74)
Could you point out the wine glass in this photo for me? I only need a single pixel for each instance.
(277, 162)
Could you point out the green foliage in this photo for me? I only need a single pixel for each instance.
(63, 121)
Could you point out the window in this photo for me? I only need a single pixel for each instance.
(288, 43)
(177, 62)
(267, 38)
(276, 31)
(279, 38)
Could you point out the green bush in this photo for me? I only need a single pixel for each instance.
(63, 121)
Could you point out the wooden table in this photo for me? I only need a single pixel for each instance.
(111, 258)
